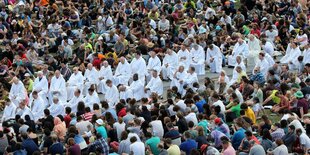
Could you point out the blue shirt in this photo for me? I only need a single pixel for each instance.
(29, 145)
(237, 138)
(188, 145)
(102, 131)
(200, 104)
(56, 148)
(113, 112)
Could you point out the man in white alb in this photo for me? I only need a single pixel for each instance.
(73, 103)
(112, 95)
(122, 73)
(76, 81)
(138, 65)
(105, 74)
(154, 63)
(178, 79)
(137, 87)
(18, 92)
(9, 111)
(90, 78)
(58, 88)
(40, 85)
(155, 85)
(214, 58)
(37, 107)
(91, 98)
(240, 48)
(56, 108)
(198, 59)
(170, 64)
(184, 57)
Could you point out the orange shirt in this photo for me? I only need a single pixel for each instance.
(44, 2)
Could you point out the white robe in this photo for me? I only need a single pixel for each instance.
(242, 50)
(254, 49)
(73, 103)
(17, 93)
(156, 86)
(90, 100)
(58, 88)
(184, 62)
(57, 109)
(269, 59)
(153, 64)
(235, 73)
(306, 55)
(138, 66)
(198, 59)
(76, 81)
(190, 79)
(126, 94)
(37, 108)
(268, 48)
(122, 73)
(172, 62)
(263, 65)
(41, 86)
(9, 112)
(106, 74)
(23, 112)
(91, 77)
(176, 81)
(216, 54)
(291, 56)
(137, 89)
(112, 96)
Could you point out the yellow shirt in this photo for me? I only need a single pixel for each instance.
(249, 113)
(275, 99)
(240, 76)
(174, 150)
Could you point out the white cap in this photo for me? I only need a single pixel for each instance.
(99, 18)
(99, 121)
(27, 75)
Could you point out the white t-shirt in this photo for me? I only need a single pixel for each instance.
(163, 25)
(221, 104)
(119, 128)
(137, 148)
(304, 140)
(157, 128)
(181, 104)
(280, 150)
(191, 117)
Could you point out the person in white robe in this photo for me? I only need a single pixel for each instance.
(76, 81)
(58, 88)
(112, 95)
(138, 65)
(269, 59)
(267, 47)
(37, 107)
(105, 74)
(235, 75)
(40, 85)
(198, 59)
(18, 92)
(254, 48)
(170, 64)
(90, 77)
(154, 86)
(56, 108)
(73, 103)
(154, 63)
(137, 87)
(179, 79)
(9, 111)
(91, 98)
(306, 54)
(125, 93)
(190, 79)
(184, 57)
(240, 48)
(262, 64)
(291, 55)
(22, 110)
(214, 58)
(122, 73)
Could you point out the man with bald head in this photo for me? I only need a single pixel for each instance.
(40, 85)
(17, 92)
(105, 74)
(76, 81)
(241, 48)
(122, 73)
(90, 77)
(154, 63)
(58, 88)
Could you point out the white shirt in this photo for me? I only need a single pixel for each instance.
(191, 117)
(154, 64)
(156, 85)
(76, 79)
(171, 60)
(137, 148)
(137, 89)
(119, 129)
(90, 100)
(91, 75)
(56, 109)
(280, 150)
(221, 104)
(304, 140)
(112, 96)
(268, 48)
(163, 25)
(138, 66)
(157, 128)
(40, 85)
(106, 72)
(8, 112)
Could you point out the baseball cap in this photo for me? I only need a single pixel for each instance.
(217, 121)
(99, 121)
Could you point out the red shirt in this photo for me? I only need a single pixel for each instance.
(97, 62)
(255, 32)
(67, 120)
(122, 113)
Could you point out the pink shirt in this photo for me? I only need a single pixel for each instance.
(229, 151)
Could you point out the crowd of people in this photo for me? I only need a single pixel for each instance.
(132, 77)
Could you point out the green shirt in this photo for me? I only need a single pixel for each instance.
(152, 143)
(236, 109)
(102, 131)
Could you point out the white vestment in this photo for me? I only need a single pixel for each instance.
(179, 81)
(41, 86)
(112, 96)
(122, 73)
(126, 94)
(76, 81)
(37, 108)
(9, 112)
(291, 56)
(268, 48)
(306, 55)
(138, 66)
(153, 64)
(57, 109)
(137, 89)
(23, 112)
(58, 88)
(239, 49)
(106, 74)
(198, 59)
(17, 93)
(184, 58)
(90, 100)
(156, 86)
(254, 49)
(269, 59)
(263, 66)
(91, 77)
(172, 62)
(73, 103)
(235, 73)
(216, 55)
